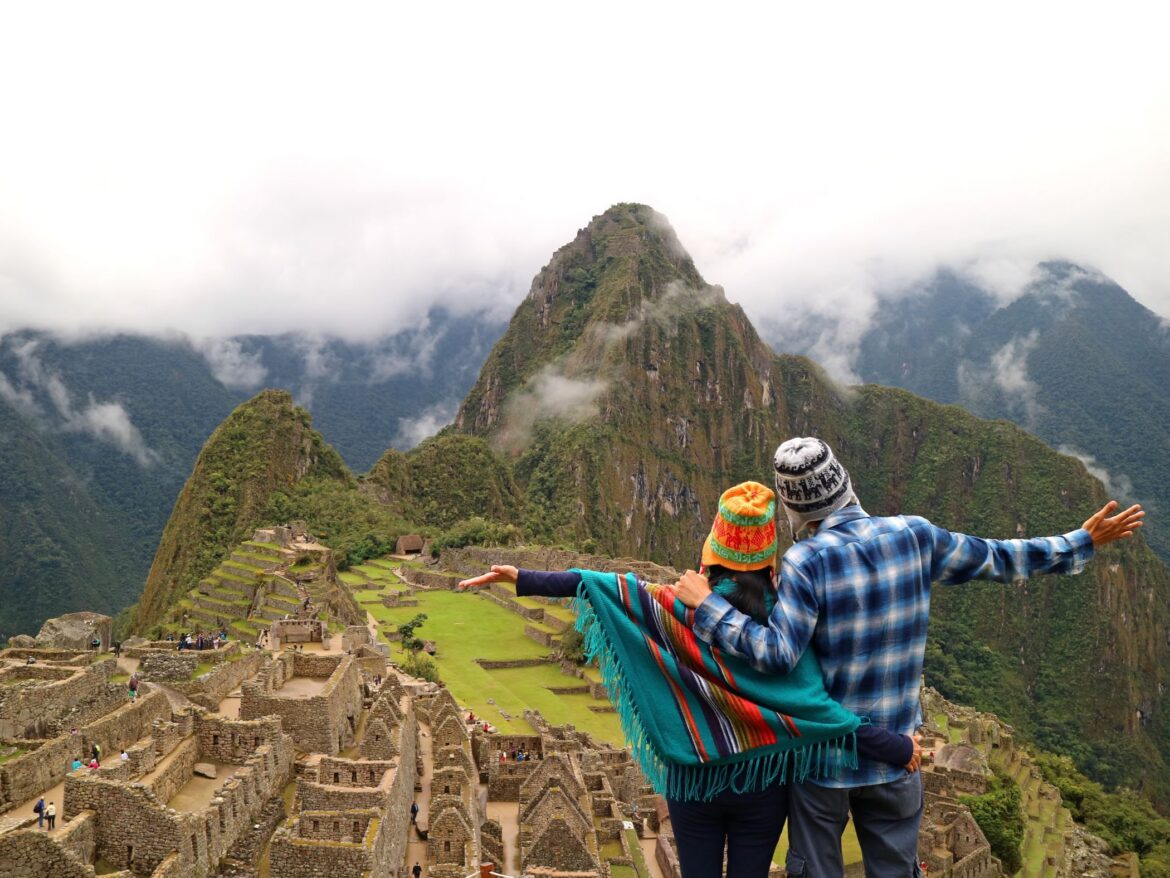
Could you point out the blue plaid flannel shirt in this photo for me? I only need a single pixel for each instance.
(859, 592)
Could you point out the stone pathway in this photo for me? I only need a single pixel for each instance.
(507, 814)
(416, 848)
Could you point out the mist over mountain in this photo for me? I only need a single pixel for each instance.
(98, 436)
(1072, 358)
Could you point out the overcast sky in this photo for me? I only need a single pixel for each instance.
(255, 167)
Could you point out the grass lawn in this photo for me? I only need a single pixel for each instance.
(467, 627)
(6, 755)
(849, 846)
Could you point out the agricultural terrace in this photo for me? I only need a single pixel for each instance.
(466, 627)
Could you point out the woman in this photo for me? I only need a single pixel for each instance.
(715, 737)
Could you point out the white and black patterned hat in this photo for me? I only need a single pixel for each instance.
(810, 482)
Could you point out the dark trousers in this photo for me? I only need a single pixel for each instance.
(885, 816)
(747, 824)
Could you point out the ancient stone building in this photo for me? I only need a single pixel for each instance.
(317, 697)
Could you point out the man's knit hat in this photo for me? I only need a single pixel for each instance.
(811, 482)
(743, 536)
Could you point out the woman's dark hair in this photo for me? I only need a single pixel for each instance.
(750, 588)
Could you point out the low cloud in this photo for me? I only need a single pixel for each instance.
(550, 394)
(1004, 375)
(413, 354)
(108, 422)
(20, 398)
(1118, 486)
(231, 365)
(412, 431)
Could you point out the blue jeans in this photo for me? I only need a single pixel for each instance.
(748, 824)
(885, 817)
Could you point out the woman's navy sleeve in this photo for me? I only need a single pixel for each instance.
(547, 583)
(883, 745)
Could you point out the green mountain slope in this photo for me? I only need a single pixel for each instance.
(627, 393)
(265, 446)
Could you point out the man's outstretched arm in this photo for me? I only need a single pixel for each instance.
(960, 558)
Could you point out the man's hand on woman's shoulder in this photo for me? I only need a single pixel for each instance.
(692, 588)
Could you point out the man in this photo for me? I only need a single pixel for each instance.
(414, 812)
(416, 869)
(39, 810)
(858, 591)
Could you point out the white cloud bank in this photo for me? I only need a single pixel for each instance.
(276, 168)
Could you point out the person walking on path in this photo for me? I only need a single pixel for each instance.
(414, 813)
(39, 810)
(858, 592)
(415, 870)
(717, 738)
(51, 815)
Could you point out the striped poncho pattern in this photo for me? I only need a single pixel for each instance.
(698, 720)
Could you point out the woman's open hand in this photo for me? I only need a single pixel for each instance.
(498, 573)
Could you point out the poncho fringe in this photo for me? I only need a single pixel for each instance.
(700, 778)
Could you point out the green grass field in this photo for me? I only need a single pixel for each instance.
(466, 627)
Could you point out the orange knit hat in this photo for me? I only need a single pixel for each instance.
(743, 536)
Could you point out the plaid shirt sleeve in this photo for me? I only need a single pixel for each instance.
(774, 647)
(960, 558)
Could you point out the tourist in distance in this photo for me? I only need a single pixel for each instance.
(858, 592)
(714, 736)
(51, 815)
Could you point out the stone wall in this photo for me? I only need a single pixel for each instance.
(173, 666)
(324, 722)
(136, 830)
(322, 844)
(32, 854)
(212, 688)
(175, 771)
(43, 695)
(233, 741)
(506, 778)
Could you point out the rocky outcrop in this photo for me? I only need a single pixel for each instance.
(75, 631)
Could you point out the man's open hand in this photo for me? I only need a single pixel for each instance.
(499, 573)
(1106, 530)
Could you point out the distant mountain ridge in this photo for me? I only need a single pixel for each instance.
(1073, 359)
(98, 436)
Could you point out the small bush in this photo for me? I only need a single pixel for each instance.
(421, 665)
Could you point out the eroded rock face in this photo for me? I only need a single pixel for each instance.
(22, 641)
(1085, 856)
(76, 631)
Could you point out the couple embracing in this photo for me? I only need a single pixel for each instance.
(751, 696)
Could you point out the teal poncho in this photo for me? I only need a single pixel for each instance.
(700, 721)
